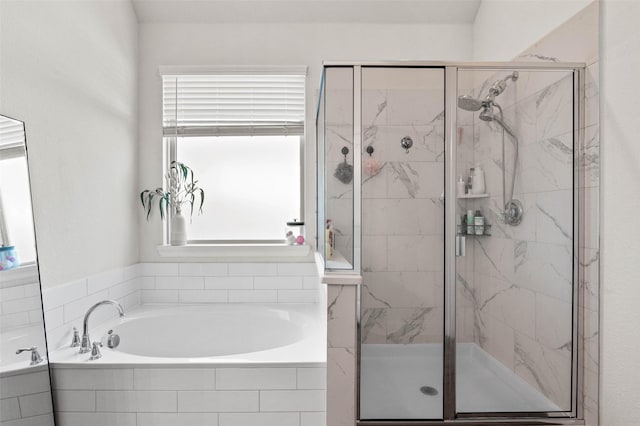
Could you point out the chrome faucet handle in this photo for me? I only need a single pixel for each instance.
(95, 351)
(75, 342)
(85, 346)
(35, 356)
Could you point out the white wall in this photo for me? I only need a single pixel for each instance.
(270, 44)
(69, 71)
(620, 44)
(504, 28)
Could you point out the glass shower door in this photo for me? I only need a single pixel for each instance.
(402, 308)
(515, 294)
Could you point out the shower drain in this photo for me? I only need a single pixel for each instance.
(428, 390)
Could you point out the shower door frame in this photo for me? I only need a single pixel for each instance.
(450, 416)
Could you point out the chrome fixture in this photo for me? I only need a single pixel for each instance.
(86, 343)
(75, 342)
(95, 351)
(512, 210)
(406, 143)
(35, 356)
(113, 340)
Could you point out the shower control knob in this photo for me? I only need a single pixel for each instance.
(406, 143)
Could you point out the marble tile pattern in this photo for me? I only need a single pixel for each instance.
(403, 214)
(515, 288)
(341, 355)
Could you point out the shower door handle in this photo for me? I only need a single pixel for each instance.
(460, 245)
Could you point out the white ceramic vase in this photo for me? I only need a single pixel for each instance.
(178, 229)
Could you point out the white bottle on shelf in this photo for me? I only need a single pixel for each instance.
(461, 186)
(477, 185)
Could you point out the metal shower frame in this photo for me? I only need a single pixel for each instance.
(575, 415)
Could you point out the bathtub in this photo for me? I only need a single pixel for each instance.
(213, 334)
(23, 337)
(243, 364)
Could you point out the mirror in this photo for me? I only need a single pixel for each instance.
(25, 392)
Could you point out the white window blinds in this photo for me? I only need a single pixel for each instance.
(11, 138)
(243, 103)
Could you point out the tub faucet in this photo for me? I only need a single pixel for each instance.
(85, 346)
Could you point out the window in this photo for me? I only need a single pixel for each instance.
(242, 134)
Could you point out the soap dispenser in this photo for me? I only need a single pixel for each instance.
(477, 184)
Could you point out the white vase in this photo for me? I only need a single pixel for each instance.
(178, 229)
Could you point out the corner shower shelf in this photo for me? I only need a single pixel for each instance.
(485, 195)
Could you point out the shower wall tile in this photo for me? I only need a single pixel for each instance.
(544, 268)
(415, 325)
(553, 319)
(547, 370)
(341, 355)
(592, 95)
(341, 387)
(554, 113)
(428, 141)
(554, 217)
(519, 287)
(341, 305)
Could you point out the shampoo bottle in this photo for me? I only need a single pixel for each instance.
(470, 222)
(477, 183)
(461, 186)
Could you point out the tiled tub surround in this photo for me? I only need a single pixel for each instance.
(181, 391)
(191, 395)
(279, 379)
(19, 298)
(25, 397)
(175, 283)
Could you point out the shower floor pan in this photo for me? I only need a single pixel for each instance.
(405, 382)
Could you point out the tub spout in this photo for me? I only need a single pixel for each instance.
(85, 346)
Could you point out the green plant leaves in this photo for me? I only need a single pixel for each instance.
(182, 189)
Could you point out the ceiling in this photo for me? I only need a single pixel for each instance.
(360, 11)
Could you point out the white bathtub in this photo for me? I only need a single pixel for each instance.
(23, 337)
(213, 334)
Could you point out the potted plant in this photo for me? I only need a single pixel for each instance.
(181, 189)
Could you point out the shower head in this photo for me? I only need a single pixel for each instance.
(489, 114)
(469, 103)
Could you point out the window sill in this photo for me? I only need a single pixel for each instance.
(253, 252)
(24, 274)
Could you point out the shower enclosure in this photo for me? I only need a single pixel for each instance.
(454, 191)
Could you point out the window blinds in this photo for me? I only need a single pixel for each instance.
(233, 104)
(11, 138)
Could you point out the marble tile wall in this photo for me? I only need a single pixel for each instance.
(403, 214)
(341, 355)
(515, 287)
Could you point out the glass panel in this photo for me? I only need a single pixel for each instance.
(254, 209)
(515, 223)
(402, 296)
(338, 162)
